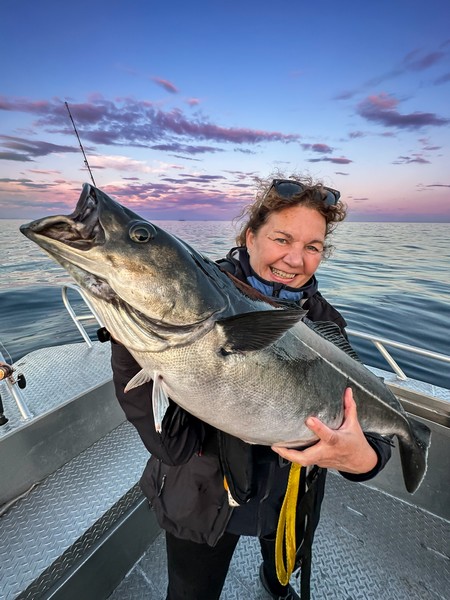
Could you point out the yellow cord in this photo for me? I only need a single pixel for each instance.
(286, 527)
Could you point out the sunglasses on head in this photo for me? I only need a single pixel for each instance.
(287, 188)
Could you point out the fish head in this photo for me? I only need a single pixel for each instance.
(121, 259)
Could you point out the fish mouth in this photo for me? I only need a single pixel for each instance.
(81, 229)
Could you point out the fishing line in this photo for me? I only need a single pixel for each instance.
(6, 355)
(81, 145)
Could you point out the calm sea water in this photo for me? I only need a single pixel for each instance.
(389, 279)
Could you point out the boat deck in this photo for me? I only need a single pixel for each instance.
(368, 546)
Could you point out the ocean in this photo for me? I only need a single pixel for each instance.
(387, 279)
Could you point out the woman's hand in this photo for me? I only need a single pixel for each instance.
(345, 449)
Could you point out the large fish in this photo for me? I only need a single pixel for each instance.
(251, 369)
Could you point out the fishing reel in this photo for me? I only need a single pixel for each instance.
(6, 372)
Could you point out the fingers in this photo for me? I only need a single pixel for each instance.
(321, 430)
(350, 405)
(301, 457)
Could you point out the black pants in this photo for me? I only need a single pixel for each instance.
(198, 571)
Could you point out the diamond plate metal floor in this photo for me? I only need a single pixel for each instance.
(38, 529)
(369, 546)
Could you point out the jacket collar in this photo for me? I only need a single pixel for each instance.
(271, 288)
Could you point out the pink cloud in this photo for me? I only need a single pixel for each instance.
(382, 109)
(167, 85)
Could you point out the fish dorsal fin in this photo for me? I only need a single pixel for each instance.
(160, 401)
(139, 379)
(257, 330)
(331, 331)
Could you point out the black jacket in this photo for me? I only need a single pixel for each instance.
(184, 478)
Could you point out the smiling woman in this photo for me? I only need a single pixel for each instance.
(273, 195)
(288, 248)
(285, 232)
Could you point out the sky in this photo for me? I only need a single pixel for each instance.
(181, 106)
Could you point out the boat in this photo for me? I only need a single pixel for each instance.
(74, 523)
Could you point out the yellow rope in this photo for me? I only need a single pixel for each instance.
(286, 527)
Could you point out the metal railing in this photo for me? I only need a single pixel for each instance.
(77, 319)
(381, 342)
(11, 382)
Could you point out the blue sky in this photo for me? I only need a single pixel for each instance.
(180, 106)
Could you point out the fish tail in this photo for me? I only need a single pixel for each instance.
(413, 448)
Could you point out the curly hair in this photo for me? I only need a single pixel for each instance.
(268, 201)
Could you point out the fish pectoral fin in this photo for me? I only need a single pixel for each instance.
(257, 330)
(160, 401)
(139, 379)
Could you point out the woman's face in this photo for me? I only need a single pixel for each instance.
(288, 247)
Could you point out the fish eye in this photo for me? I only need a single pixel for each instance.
(142, 232)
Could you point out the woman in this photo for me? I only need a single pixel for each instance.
(280, 247)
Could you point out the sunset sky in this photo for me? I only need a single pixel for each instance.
(180, 105)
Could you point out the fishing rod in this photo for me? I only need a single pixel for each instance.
(7, 375)
(81, 145)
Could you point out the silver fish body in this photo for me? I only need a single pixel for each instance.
(240, 364)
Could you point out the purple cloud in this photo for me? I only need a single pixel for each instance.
(184, 178)
(15, 156)
(167, 85)
(175, 147)
(186, 157)
(407, 160)
(345, 95)
(336, 160)
(244, 151)
(24, 150)
(383, 109)
(414, 61)
(353, 135)
(442, 79)
(320, 148)
(130, 122)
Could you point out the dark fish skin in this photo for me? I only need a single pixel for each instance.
(236, 362)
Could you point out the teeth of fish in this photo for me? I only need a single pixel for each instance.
(282, 273)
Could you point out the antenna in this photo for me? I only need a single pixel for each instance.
(81, 146)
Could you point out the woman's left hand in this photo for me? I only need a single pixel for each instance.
(345, 449)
